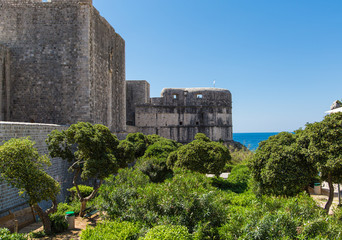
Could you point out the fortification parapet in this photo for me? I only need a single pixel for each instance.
(180, 113)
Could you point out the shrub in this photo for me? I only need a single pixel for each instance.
(161, 149)
(111, 230)
(188, 199)
(139, 142)
(39, 234)
(240, 156)
(84, 190)
(58, 222)
(237, 180)
(5, 234)
(168, 232)
(201, 155)
(74, 206)
(155, 169)
(272, 226)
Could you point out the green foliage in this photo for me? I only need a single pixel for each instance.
(125, 153)
(322, 145)
(238, 180)
(190, 200)
(153, 163)
(73, 206)
(240, 156)
(272, 226)
(201, 155)
(279, 166)
(161, 149)
(112, 230)
(5, 234)
(84, 190)
(39, 234)
(140, 143)
(202, 137)
(58, 222)
(95, 149)
(187, 199)
(155, 169)
(96, 154)
(323, 141)
(22, 167)
(168, 232)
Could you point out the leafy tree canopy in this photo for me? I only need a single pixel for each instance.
(322, 144)
(93, 151)
(22, 167)
(140, 143)
(201, 156)
(279, 166)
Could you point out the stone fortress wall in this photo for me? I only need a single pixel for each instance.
(181, 113)
(67, 63)
(9, 197)
(4, 82)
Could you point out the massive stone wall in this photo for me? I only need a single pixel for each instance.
(59, 169)
(137, 93)
(67, 63)
(4, 82)
(182, 113)
(107, 69)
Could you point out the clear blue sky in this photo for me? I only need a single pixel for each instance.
(281, 60)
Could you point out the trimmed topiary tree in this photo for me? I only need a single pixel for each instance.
(22, 167)
(279, 166)
(93, 151)
(201, 155)
(322, 144)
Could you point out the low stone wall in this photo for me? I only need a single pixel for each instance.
(9, 197)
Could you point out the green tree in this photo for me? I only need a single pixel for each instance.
(201, 155)
(22, 167)
(322, 142)
(140, 143)
(93, 151)
(279, 166)
(153, 163)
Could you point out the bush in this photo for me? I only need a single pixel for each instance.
(74, 206)
(111, 230)
(84, 190)
(167, 232)
(272, 226)
(237, 180)
(240, 156)
(201, 155)
(5, 234)
(188, 199)
(155, 169)
(58, 222)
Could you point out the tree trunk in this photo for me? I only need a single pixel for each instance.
(307, 190)
(83, 206)
(44, 217)
(331, 194)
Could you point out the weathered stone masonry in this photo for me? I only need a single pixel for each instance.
(181, 113)
(9, 196)
(67, 64)
(4, 82)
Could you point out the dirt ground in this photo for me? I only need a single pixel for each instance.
(322, 200)
(74, 234)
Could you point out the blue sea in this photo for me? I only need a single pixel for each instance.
(251, 140)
